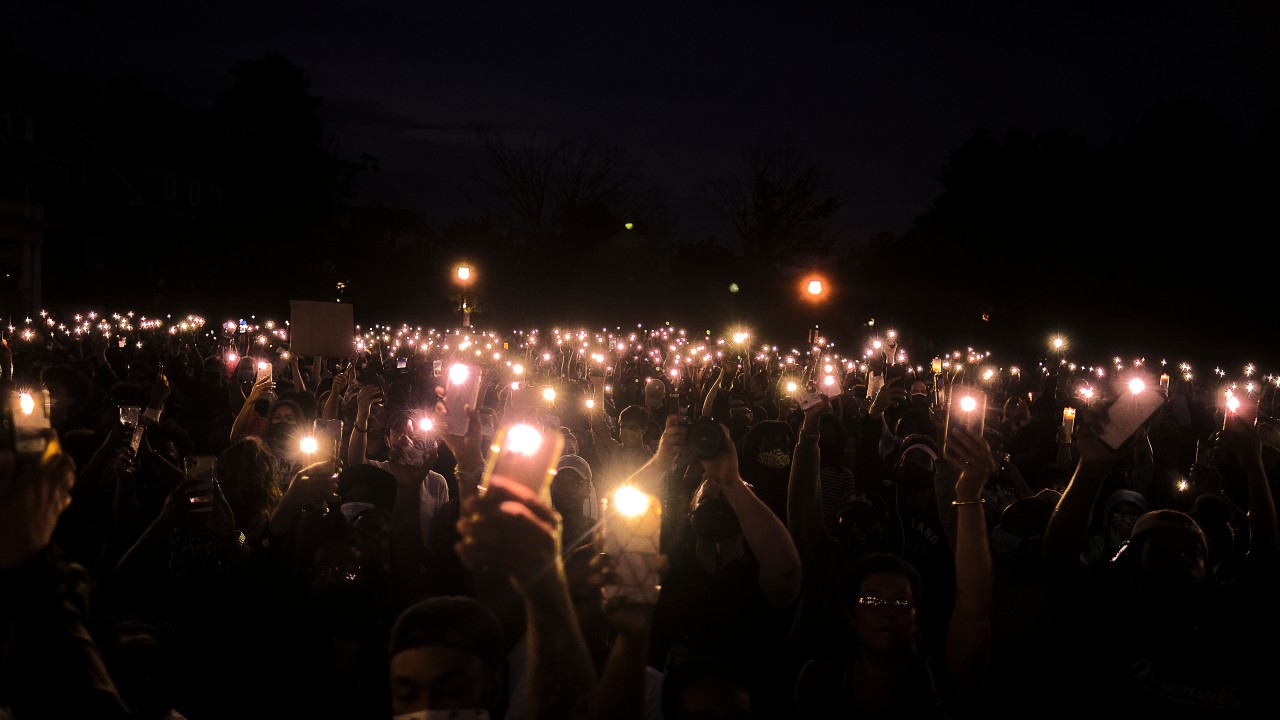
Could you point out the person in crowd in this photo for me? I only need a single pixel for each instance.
(573, 496)
(1154, 631)
(621, 457)
(733, 566)
(1119, 513)
(50, 664)
(883, 671)
(447, 656)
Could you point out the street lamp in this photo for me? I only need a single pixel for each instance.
(464, 277)
(814, 290)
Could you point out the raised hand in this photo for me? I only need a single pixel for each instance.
(507, 533)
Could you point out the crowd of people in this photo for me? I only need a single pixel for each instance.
(209, 527)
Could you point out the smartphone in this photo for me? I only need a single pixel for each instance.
(524, 396)
(808, 398)
(402, 363)
(328, 437)
(197, 481)
(1239, 411)
(893, 372)
(524, 460)
(967, 408)
(630, 528)
(26, 418)
(129, 415)
(436, 368)
(135, 439)
(264, 371)
(1137, 402)
(875, 381)
(462, 388)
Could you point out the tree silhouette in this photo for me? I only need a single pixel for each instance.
(781, 211)
(288, 190)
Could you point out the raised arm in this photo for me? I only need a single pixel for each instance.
(296, 373)
(1264, 539)
(1068, 528)
(804, 487)
(779, 574)
(240, 428)
(359, 440)
(969, 639)
(333, 402)
(520, 537)
(670, 447)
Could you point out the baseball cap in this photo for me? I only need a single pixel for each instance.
(457, 622)
(576, 463)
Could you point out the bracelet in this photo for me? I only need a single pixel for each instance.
(979, 501)
(359, 429)
(475, 475)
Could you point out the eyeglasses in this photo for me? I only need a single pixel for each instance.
(895, 605)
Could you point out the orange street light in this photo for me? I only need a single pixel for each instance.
(464, 276)
(813, 288)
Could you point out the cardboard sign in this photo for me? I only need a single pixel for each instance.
(321, 328)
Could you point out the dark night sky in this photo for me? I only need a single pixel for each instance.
(880, 93)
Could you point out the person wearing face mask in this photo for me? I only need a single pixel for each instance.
(621, 457)
(734, 570)
(1120, 513)
(421, 493)
(282, 419)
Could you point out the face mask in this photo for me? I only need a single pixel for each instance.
(469, 714)
(352, 509)
(714, 521)
(774, 459)
(631, 438)
(858, 534)
(279, 432)
(1123, 524)
(413, 456)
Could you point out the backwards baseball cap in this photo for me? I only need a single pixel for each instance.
(457, 622)
(918, 449)
(576, 463)
(1168, 519)
(367, 483)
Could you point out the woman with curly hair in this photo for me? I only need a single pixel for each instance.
(249, 481)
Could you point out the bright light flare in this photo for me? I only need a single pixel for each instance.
(458, 373)
(523, 440)
(308, 445)
(26, 403)
(968, 403)
(1137, 385)
(630, 501)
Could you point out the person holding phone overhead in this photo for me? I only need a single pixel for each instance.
(1154, 631)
